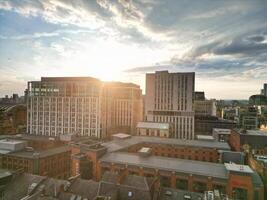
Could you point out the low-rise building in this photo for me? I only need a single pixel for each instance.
(254, 141)
(237, 181)
(50, 159)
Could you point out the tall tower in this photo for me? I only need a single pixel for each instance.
(169, 98)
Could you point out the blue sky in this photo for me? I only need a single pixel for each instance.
(224, 42)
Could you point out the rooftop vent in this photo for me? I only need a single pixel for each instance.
(145, 151)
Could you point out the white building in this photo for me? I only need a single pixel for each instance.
(169, 99)
(83, 106)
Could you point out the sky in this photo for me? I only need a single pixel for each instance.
(223, 41)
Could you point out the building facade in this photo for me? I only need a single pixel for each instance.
(83, 106)
(154, 129)
(48, 159)
(205, 107)
(205, 124)
(169, 99)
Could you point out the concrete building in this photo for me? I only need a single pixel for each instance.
(170, 99)
(82, 105)
(154, 129)
(205, 107)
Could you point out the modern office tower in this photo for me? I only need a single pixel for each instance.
(83, 106)
(169, 98)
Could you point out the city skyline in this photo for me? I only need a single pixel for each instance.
(223, 42)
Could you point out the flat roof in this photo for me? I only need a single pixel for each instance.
(40, 154)
(205, 137)
(154, 125)
(208, 169)
(238, 168)
(11, 141)
(121, 135)
(255, 132)
(221, 130)
(117, 145)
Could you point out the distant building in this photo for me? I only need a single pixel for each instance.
(264, 90)
(248, 118)
(205, 124)
(46, 158)
(205, 107)
(156, 129)
(230, 113)
(221, 135)
(14, 99)
(13, 119)
(170, 99)
(199, 96)
(258, 100)
(83, 106)
(254, 141)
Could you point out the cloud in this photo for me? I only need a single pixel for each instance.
(257, 38)
(244, 45)
(217, 39)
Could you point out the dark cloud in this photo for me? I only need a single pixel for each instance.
(257, 38)
(244, 45)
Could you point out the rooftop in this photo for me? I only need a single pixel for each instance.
(68, 79)
(168, 164)
(238, 168)
(254, 132)
(11, 142)
(41, 154)
(221, 131)
(121, 135)
(118, 145)
(153, 125)
(205, 137)
(174, 194)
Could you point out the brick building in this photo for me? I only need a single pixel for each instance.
(49, 159)
(190, 165)
(254, 141)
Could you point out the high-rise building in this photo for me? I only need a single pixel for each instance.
(169, 99)
(82, 105)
